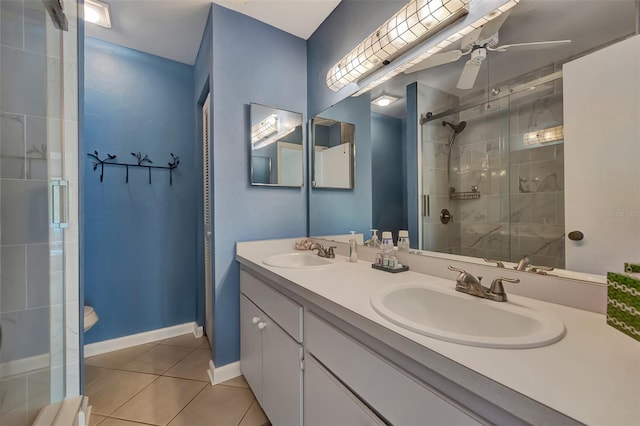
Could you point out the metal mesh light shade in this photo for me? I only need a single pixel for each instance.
(411, 23)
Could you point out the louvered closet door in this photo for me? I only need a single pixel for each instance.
(206, 176)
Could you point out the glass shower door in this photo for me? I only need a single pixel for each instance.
(33, 200)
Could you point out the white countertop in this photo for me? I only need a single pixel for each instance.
(591, 375)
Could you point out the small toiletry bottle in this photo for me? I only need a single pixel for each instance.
(387, 248)
(403, 241)
(353, 248)
(378, 259)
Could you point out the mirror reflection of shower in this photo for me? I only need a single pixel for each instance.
(456, 130)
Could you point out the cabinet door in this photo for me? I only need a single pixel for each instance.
(251, 346)
(281, 376)
(328, 402)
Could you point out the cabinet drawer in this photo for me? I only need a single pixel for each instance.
(394, 395)
(284, 311)
(328, 402)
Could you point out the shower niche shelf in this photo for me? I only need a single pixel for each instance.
(471, 195)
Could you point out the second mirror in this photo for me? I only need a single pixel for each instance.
(333, 153)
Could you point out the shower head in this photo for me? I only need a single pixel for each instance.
(457, 128)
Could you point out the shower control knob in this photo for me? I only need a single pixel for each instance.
(576, 236)
(255, 320)
(261, 325)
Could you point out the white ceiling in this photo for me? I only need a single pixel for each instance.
(173, 28)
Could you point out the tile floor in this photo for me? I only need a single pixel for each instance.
(166, 383)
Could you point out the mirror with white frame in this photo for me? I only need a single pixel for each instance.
(276, 147)
(490, 159)
(333, 153)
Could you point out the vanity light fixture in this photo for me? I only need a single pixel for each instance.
(543, 136)
(384, 100)
(97, 12)
(508, 5)
(409, 25)
(272, 139)
(265, 128)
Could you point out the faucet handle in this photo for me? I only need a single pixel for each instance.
(330, 253)
(496, 284)
(462, 271)
(497, 262)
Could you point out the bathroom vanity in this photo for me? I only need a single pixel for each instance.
(316, 352)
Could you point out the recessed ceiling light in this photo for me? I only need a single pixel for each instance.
(384, 100)
(97, 12)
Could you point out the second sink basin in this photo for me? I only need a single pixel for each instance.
(447, 315)
(303, 260)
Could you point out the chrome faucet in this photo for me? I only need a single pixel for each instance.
(523, 263)
(322, 252)
(526, 265)
(467, 283)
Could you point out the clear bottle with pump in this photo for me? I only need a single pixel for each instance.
(387, 248)
(373, 241)
(403, 241)
(353, 248)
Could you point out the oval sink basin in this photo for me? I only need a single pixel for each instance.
(455, 317)
(301, 261)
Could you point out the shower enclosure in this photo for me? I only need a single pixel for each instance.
(492, 171)
(39, 309)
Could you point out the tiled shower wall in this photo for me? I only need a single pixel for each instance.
(521, 206)
(35, 360)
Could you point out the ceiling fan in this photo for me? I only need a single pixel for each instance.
(477, 44)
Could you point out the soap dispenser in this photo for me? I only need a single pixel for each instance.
(353, 248)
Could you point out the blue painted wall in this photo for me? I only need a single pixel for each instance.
(338, 211)
(139, 239)
(350, 23)
(252, 62)
(387, 175)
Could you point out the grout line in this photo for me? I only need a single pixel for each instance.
(255, 401)
(187, 404)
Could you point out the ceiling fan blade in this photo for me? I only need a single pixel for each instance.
(521, 47)
(436, 60)
(492, 27)
(469, 74)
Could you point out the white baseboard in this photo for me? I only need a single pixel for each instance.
(24, 365)
(137, 339)
(198, 331)
(224, 373)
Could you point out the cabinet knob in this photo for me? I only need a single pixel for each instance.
(255, 320)
(261, 325)
(576, 236)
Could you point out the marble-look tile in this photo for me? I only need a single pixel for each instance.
(255, 416)
(474, 157)
(160, 402)
(117, 359)
(519, 156)
(220, 405)
(438, 182)
(473, 210)
(39, 293)
(12, 146)
(18, 324)
(547, 176)
(498, 181)
(38, 132)
(25, 211)
(497, 208)
(435, 155)
(194, 366)
(482, 235)
(560, 208)
(158, 359)
(543, 153)
(13, 394)
(12, 23)
(40, 34)
(13, 287)
(540, 114)
(543, 208)
(70, 76)
(495, 155)
(521, 206)
(110, 392)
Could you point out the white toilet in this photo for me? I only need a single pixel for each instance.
(90, 317)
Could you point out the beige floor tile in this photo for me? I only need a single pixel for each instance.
(205, 343)
(186, 340)
(95, 419)
(159, 402)
(255, 416)
(92, 373)
(119, 422)
(158, 359)
(215, 405)
(117, 359)
(193, 366)
(238, 382)
(115, 389)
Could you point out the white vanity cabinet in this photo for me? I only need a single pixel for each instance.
(271, 350)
